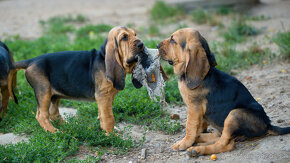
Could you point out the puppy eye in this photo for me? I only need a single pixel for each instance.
(172, 41)
(125, 38)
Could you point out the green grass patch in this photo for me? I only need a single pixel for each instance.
(239, 30)
(282, 39)
(90, 31)
(62, 24)
(202, 16)
(224, 10)
(229, 59)
(161, 11)
(258, 18)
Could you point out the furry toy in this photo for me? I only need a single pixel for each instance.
(147, 72)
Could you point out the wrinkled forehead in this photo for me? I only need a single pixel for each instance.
(186, 34)
(121, 30)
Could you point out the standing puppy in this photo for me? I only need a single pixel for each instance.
(212, 97)
(6, 78)
(83, 75)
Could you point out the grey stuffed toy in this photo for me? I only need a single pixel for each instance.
(147, 73)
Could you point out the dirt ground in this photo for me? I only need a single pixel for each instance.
(268, 84)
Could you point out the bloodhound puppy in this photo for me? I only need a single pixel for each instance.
(82, 75)
(6, 77)
(212, 97)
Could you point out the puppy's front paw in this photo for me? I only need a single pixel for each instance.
(193, 152)
(182, 145)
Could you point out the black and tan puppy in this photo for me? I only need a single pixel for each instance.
(87, 75)
(6, 61)
(212, 97)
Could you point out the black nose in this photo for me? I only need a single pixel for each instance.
(140, 45)
(157, 46)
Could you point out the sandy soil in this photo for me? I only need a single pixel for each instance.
(268, 83)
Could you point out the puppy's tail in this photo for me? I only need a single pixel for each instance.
(22, 64)
(275, 130)
(11, 82)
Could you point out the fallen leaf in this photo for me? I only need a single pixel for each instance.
(258, 99)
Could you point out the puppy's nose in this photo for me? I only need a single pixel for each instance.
(158, 46)
(140, 45)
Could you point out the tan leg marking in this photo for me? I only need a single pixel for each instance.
(193, 124)
(42, 115)
(225, 143)
(208, 137)
(105, 95)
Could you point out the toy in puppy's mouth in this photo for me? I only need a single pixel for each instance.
(147, 73)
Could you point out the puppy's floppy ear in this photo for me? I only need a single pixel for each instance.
(210, 56)
(114, 70)
(197, 65)
(164, 75)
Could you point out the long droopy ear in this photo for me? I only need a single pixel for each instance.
(197, 65)
(114, 70)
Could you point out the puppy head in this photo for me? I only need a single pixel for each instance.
(121, 50)
(189, 54)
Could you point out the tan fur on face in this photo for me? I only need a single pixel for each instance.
(125, 48)
(185, 50)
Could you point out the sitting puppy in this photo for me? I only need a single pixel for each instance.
(86, 75)
(6, 61)
(212, 97)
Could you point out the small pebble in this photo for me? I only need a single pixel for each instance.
(174, 116)
(280, 121)
(143, 153)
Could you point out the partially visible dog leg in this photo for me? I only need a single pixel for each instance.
(204, 126)
(106, 115)
(225, 143)
(5, 100)
(54, 111)
(209, 138)
(193, 129)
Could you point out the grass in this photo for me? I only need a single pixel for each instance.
(202, 16)
(282, 39)
(161, 11)
(60, 25)
(229, 59)
(239, 30)
(224, 10)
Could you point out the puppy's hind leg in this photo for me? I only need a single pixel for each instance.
(224, 143)
(54, 110)
(42, 89)
(208, 138)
